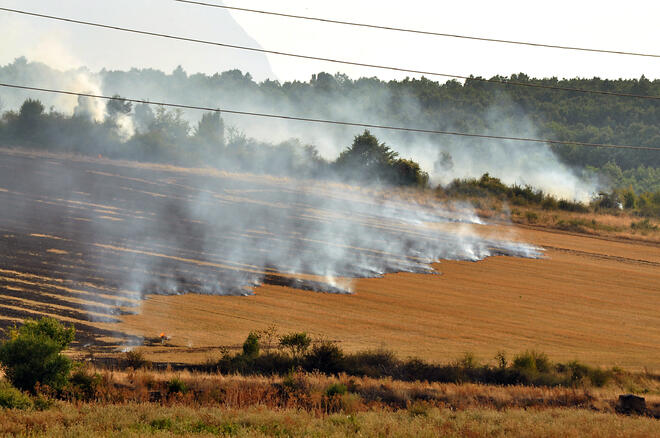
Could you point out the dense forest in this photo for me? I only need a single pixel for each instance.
(473, 107)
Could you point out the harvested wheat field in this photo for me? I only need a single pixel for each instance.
(586, 300)
(128, 251)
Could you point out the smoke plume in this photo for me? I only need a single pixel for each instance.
(335, 98)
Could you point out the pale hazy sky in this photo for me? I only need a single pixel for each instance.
(629, 26)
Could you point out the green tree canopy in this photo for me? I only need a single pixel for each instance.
(369, 160)
(32, 354)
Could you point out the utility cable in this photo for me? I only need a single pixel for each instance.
(331, 60)
(333, 122)
(416, 31)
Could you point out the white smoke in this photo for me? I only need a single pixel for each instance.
(443, 157)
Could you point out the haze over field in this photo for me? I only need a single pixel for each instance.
(111, 229)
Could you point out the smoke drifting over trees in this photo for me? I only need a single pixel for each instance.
(472, 107)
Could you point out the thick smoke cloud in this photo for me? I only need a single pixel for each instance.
(135, 229)
(336, 98)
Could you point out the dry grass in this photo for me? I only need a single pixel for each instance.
(236, 391)
(147, 419)
(299, 406)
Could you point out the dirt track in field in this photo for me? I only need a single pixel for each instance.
(592, 299)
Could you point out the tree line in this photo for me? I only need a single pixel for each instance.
(168, 137)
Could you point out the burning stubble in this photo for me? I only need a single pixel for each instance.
(135, 229)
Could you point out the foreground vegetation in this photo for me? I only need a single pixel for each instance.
(344, 395)
(32, 361)
(73, 420)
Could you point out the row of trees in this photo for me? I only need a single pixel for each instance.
(472, 106)
(166, 136)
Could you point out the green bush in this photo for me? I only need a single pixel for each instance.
(335, 389)
(469, 360)
(532, 217)
(135, 359)
(251, 345)
(296, 383)
(31, 355)
(599, 378)
(176, 386)
(573, 206)
(161, 424)
(644, 226)
(84, 385)
(533, 361)
(12, 398)
(549, 203)
(296, 343)
(325, 357)
(379, 363)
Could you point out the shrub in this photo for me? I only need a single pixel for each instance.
(573, 206)
(296, 343)
(377, 363)
(273, 363)
(251, 345)
(296, 383)
(532, 360)
(419, 409)
(532, 217)
(549, 203)
(599, 378)
(644, 226)
(576, 371)
(335, 389)
(31, 355)
(83, 385)
(325, 357)
(42, 402)
(135, 359)
(12, 398)
(161, 424)
(468, 360)
(176, 386)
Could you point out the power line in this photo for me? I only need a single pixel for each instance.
(331, 60)
(333, 122)
(422, 32)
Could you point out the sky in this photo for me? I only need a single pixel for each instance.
(629, 26)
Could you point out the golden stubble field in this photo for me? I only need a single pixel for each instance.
(591, 299)
(68, 244)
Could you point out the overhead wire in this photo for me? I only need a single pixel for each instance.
(417, 31)
(332, 60)
(332, 122)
